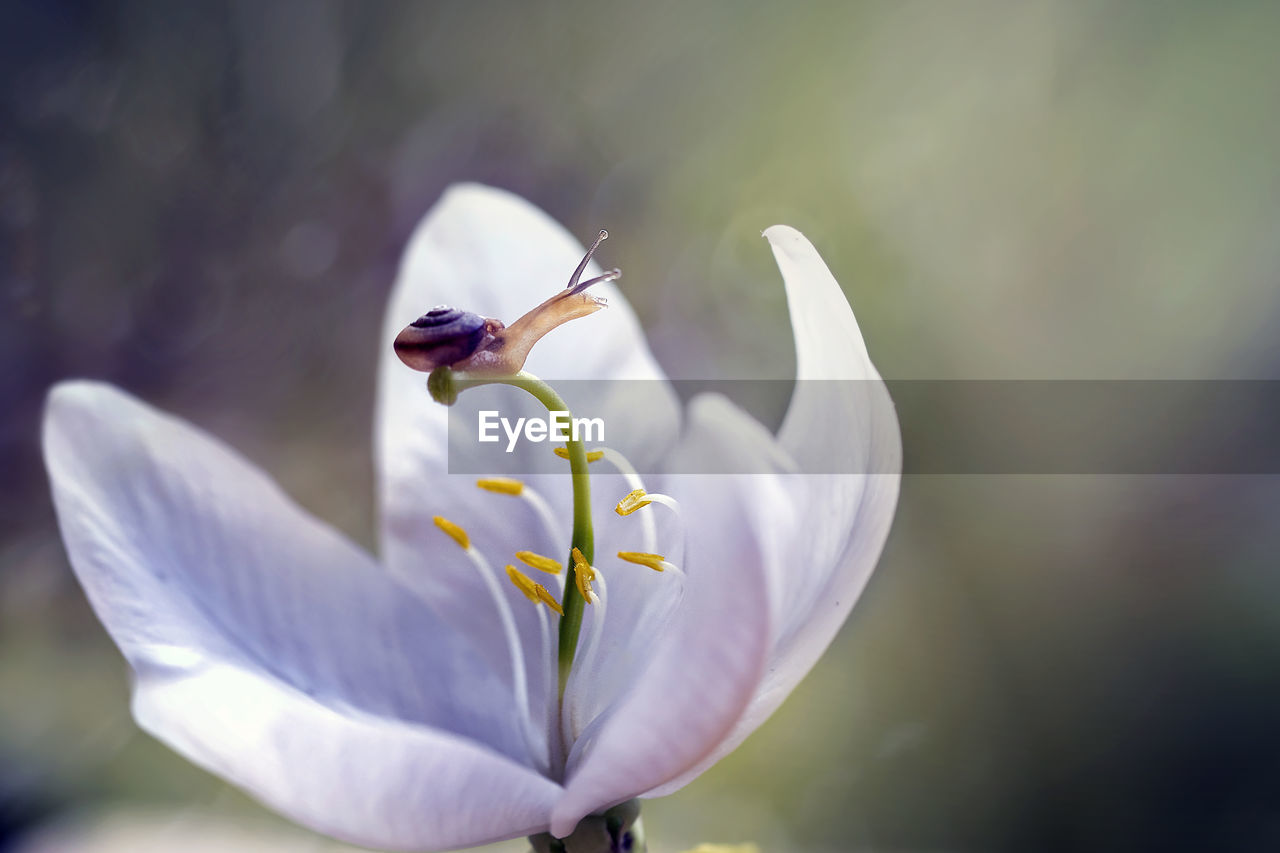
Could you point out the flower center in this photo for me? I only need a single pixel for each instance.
(567, 707)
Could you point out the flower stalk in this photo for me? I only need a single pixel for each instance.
(617, 830)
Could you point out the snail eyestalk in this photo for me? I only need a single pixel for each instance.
(586, 259)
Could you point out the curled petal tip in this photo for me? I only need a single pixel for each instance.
(783, 236)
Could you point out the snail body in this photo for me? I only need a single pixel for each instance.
(465, 341)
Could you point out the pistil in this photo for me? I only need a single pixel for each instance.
(445, 384)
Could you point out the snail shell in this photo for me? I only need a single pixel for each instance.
(443, 336)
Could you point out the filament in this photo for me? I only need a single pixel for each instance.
(547, 517)
(522, 490)
(538, 594)
(519, 678)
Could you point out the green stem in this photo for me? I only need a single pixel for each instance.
(583, 538)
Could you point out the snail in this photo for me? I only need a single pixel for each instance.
(465, 341)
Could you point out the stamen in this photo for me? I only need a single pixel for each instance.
(539, 562)
(522, 582)
(638, 498)
(534, 591)
(654, 561)
(519, 679)
(455, 532)
(545, 596)
(592, 455)
(648, 525)
(583, 575)
(633, 501)
(501, 485)
(584, 667)
(537, 593)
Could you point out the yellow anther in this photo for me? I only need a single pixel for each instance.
(456, 533)
(633, 501)
(653, 561)
(592, 455)
(501, 485)
(535, 592)
(539, 562)
(522, 582)
(583, 575)
(548, 599)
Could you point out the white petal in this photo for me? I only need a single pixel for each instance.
(200, 567)
(826, 550)
(703, 671)
(842, 429)
(488, 251)
(363, 779)
(826, 418)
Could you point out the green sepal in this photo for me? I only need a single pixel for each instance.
(618, 830)
(441, 387)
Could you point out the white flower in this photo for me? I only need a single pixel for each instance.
(378, 703)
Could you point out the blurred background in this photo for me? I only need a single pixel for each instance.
(205, 204)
